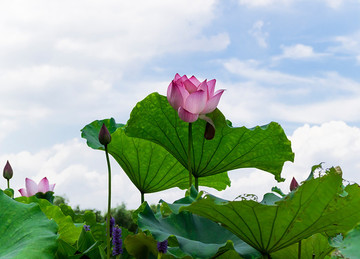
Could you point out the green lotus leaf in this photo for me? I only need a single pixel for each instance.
(149, 166)
(191, 195)
(265, 147)
(196, 236)
(25, 231)
(317, 206)
(141, 246)
(67, 230)
(349, 246)
(317, 245)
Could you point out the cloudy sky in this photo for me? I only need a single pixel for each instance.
(66, 63)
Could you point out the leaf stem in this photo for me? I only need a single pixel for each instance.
(109, 204)
(299, 250)
(197, 183)
(189, 153)
(142, 197)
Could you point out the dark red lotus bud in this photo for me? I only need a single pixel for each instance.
(104, 135)
(294, 184)
(209, 131)
(8, 172)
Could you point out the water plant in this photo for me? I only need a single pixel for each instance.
(183, 140)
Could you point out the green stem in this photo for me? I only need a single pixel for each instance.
(299, 250)
(109, 204)
(8, 183)
(189, 153)
(142, 197)
(197, 183)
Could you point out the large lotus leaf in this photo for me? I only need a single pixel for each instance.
(67, 230)
(317, 246)
(25, 231)
(191, 196)
(141, 246)
(265, 148)
(349, 246)
(149, 166)
(317, 206)
(196, 236)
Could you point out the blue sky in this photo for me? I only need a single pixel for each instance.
(64, 64)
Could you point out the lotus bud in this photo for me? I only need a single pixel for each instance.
(294, 184)
(209, 131)
(8, 172)
(162, 246)
(104, 135)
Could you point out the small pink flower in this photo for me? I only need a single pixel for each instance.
(193, 99)
(294, 184)
(31, 188)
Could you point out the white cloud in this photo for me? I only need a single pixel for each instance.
(125, 32)
(65, 61)
(334, 4)
(299, 51)
(257, 32)
(264, 3)
(251, 69)
(347, 109)
(348, 45)
(262, 95)
(334, 143)
(80, 174)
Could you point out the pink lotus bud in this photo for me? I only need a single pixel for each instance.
(104, 135)
(294, 184)
(192, 98)
(8, 172)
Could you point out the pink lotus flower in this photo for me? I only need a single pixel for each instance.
(32, 188)
(192, 98)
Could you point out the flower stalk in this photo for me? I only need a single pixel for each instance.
(142, 197)
(109, 202)
(105, 139)
(189, 153)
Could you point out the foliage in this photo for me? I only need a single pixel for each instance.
(265, 147)
(195, 236)
(348, 246)
(152, 149)
(123, 217)
(25, 230)
(317, 206)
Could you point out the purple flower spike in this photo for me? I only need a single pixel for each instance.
(162, 246)
(87, 227)
(112, 224)
(117, 241)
